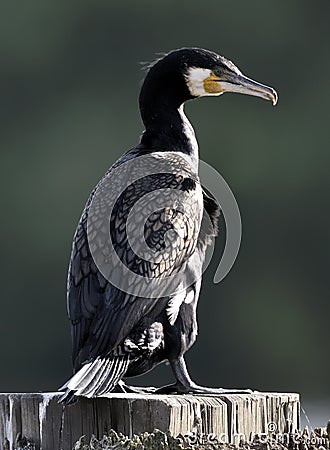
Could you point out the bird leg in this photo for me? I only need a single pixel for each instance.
(185, 385)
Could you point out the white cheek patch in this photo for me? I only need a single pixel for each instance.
(195, 80)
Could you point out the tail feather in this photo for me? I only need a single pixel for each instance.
(109, 383)
(95, 378)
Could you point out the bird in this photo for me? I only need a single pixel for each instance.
(135, 270)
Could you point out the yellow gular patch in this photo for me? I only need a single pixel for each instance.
(212, 85)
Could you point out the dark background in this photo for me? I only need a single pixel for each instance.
(69, 77)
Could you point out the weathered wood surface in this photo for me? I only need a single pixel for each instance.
(50, 426)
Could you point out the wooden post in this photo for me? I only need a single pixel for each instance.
(231, 418)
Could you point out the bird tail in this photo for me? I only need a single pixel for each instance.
(95, 378)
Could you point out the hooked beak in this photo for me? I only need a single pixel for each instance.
(244, 85)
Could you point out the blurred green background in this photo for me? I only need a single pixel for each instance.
(70, 76)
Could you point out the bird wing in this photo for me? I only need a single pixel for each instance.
(210, 222)
(131, 234)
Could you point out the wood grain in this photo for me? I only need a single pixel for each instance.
(233, 418)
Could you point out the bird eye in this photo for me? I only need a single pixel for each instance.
(217, 72)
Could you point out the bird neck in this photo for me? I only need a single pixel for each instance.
(168, 129)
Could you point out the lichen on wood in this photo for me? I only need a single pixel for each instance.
(319, 439)
(144, 441)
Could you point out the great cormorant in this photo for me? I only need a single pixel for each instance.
(121, 327)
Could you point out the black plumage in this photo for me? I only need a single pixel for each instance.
(119, 332)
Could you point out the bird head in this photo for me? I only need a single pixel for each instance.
(193, 72)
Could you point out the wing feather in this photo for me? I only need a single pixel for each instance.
(101, 314)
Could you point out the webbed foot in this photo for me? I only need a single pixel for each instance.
(124, 388)
(192, 388)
